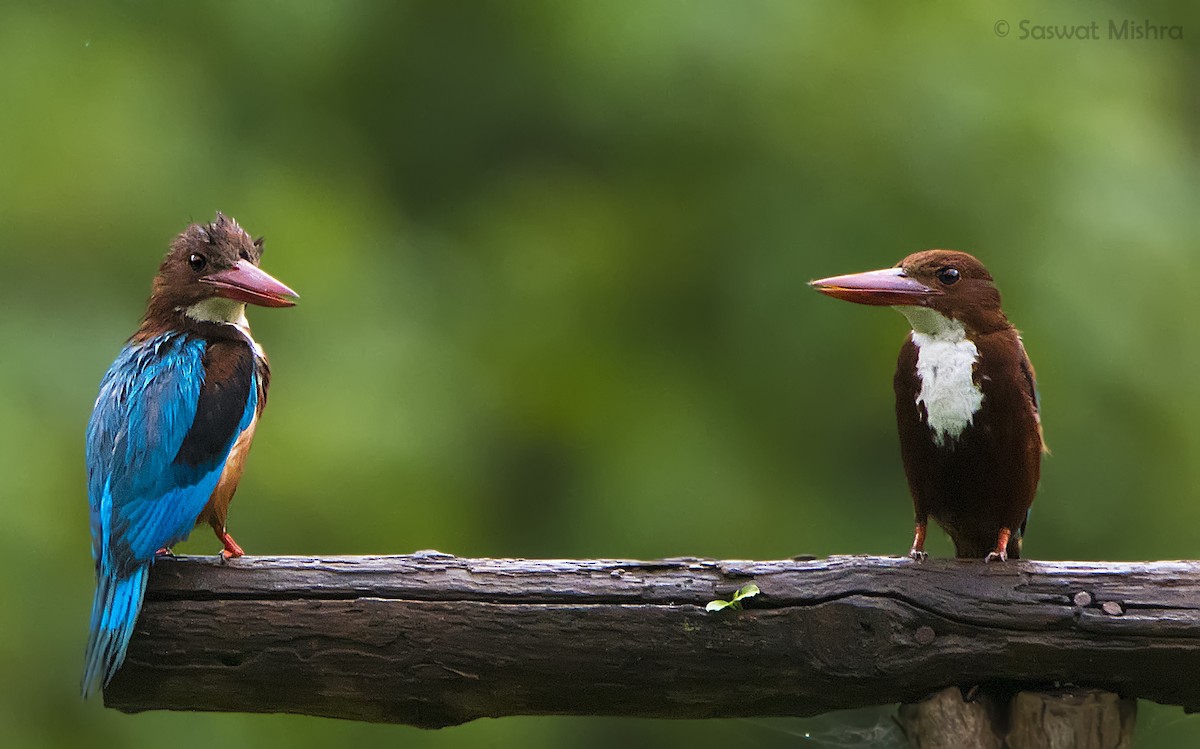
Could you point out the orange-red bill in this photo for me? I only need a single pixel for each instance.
(246, 282)
(884, 288)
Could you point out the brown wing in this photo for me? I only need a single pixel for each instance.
(915, 445)
(1034, 397)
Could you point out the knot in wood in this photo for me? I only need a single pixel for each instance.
(925, 634)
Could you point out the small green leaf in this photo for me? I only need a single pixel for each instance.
(749, 590)
(746, 591)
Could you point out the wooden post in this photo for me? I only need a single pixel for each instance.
(1061, 719)
(434, 640)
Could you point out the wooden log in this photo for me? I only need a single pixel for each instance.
(434, 640)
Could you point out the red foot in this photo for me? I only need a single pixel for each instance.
(231, 550)
(1001, 552)
(918, 548)
(164, 552)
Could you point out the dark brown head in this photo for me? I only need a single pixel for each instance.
(953, 284)
(211, 272)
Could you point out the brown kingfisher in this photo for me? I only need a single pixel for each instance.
(172, 424)
(966, 400)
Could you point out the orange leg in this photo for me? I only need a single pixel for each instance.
(917, 551)
(231, 550)
(1000, 553)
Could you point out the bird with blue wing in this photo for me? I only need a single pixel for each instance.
(173, 422)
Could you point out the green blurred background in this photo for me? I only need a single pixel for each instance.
(553, 260)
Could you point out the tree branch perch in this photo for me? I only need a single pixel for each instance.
(434, 640)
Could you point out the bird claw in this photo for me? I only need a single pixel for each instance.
(917, 552)
(164, 552)
(231, 550)
(1000, 553)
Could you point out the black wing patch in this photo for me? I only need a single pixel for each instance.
(228, 377)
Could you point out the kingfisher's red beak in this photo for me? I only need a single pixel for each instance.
(883, 288)
(246, 282)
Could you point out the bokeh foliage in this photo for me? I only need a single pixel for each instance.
(552, 258)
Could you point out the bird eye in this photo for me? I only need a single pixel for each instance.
(948, 276)
(197, 262)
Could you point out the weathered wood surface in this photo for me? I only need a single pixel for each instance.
(433, 640)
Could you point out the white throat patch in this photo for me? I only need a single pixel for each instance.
(945, 366)
(219, 309)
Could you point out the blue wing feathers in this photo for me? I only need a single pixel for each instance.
(141, 498)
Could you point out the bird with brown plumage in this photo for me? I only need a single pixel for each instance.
(966, 401)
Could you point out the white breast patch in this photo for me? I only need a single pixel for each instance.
(945, 366)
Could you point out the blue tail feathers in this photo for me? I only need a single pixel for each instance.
(114, 613)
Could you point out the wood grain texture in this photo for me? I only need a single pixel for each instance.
(432, 640)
